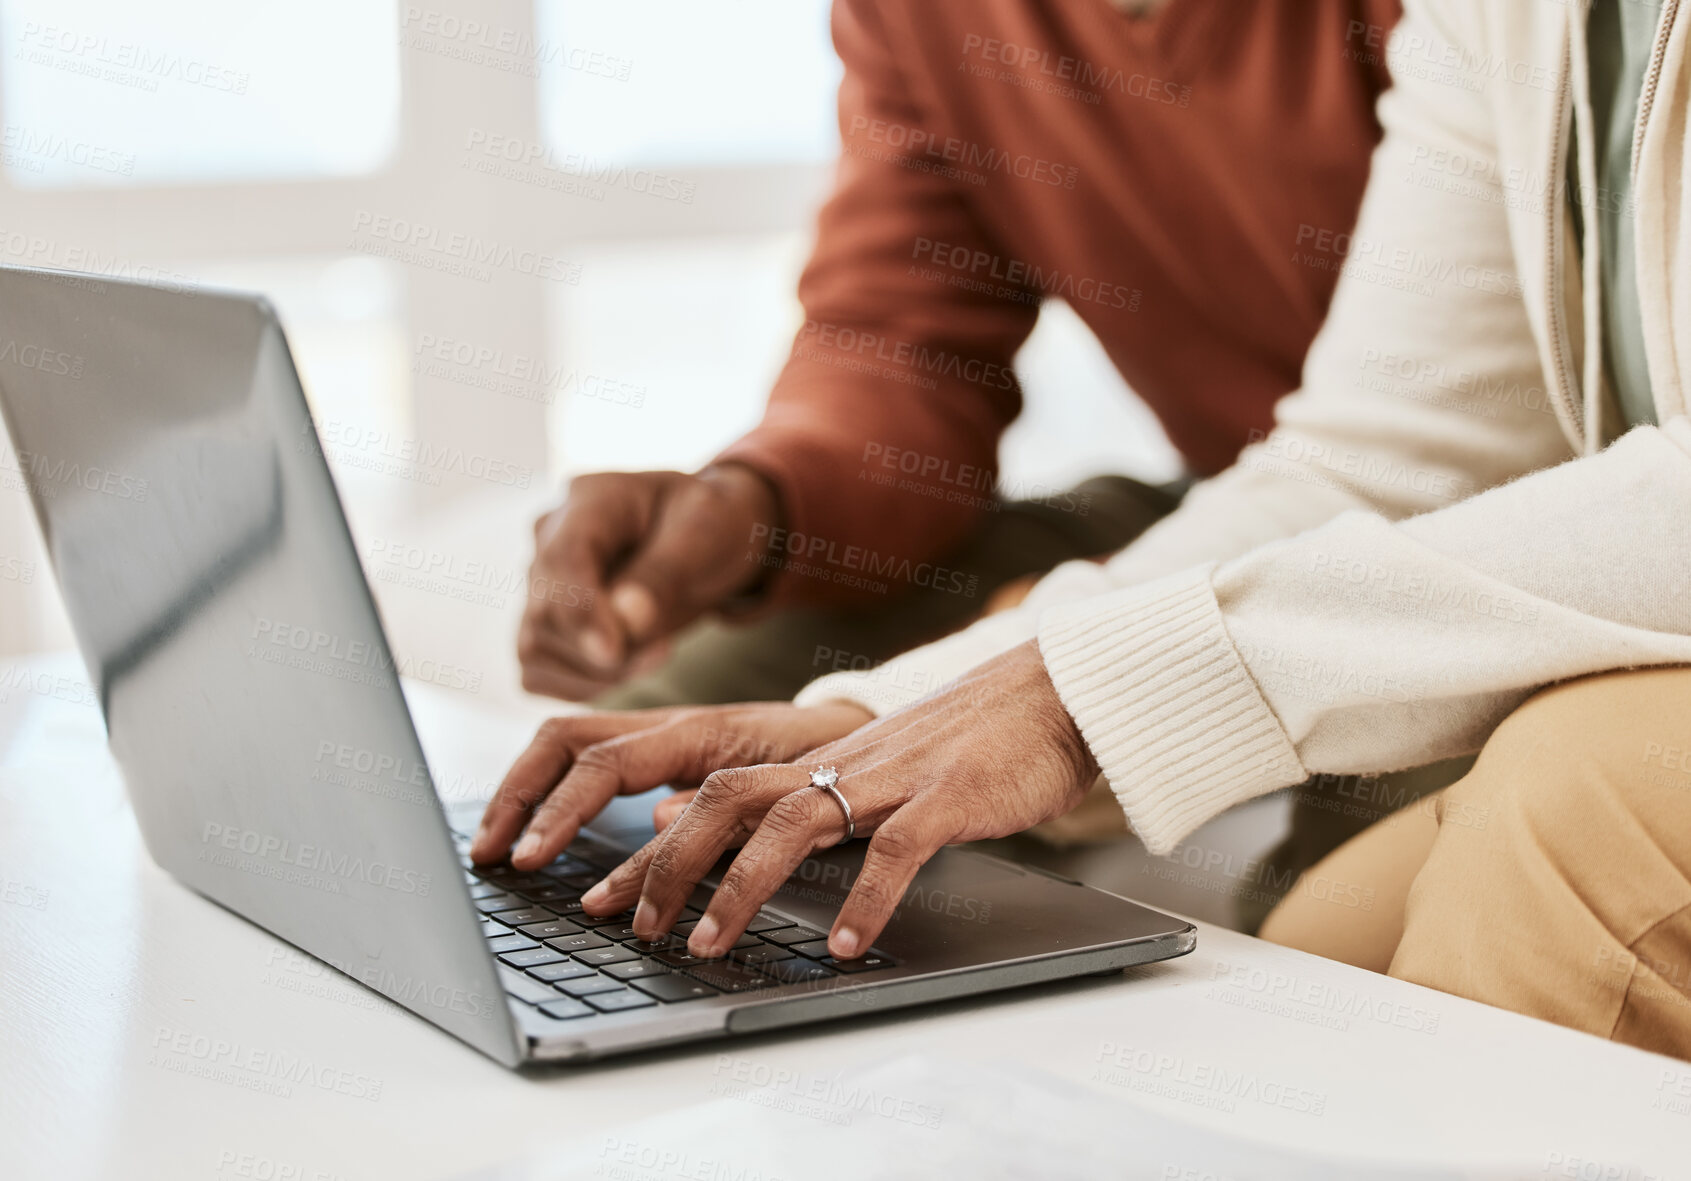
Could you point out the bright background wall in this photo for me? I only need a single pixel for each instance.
(679, 150)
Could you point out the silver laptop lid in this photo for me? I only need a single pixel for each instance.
(249, 693)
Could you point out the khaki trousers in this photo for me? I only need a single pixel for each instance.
(1554, 879)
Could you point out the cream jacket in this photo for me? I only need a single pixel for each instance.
(1434, 528)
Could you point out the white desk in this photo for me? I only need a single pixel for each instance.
(100, 952)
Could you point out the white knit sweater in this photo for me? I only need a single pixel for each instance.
(1341, 600)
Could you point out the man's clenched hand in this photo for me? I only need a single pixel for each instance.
(640, 554)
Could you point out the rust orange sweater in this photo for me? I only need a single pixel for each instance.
(1159, 174)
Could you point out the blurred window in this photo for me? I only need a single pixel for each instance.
(120, 92)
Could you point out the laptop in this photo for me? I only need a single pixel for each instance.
(254, 707)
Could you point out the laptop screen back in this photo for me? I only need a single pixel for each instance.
(249, 693)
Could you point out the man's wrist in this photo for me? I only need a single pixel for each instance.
(760, 503)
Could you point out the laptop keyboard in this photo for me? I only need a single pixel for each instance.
(569, 964)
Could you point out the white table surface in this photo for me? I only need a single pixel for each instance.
(104, 958)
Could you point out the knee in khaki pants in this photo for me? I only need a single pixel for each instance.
(1557, 879)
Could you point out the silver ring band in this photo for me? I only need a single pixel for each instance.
(825, 778)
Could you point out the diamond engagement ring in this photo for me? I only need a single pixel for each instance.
(826, 778)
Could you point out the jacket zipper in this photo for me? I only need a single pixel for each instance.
(1555, 312)
(1651, 77)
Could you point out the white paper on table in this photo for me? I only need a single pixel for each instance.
(921, 1117)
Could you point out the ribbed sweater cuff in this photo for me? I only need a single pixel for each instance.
(1165, 703)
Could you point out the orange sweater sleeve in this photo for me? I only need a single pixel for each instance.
(881, 433)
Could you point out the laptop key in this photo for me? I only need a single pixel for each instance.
(729, 977)
(581, 941)
(562, 970)
(653, 946)
(564, 865)
(518, 882)
(816, 949)
(616, 1002)
(531, 992)
(636, 969)
(498, 902)
(589, 851)
(670, 988)
(587, 985)
(796, 971)
(500, 944)
(614, 954)
(764, 953)
(606, 920)
(553, 929)
(524, 916)
(767, 922)
(484, 890)
(787, 936)
(558, 898)
(565, 1009)
(680, 957)
(532, 958)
